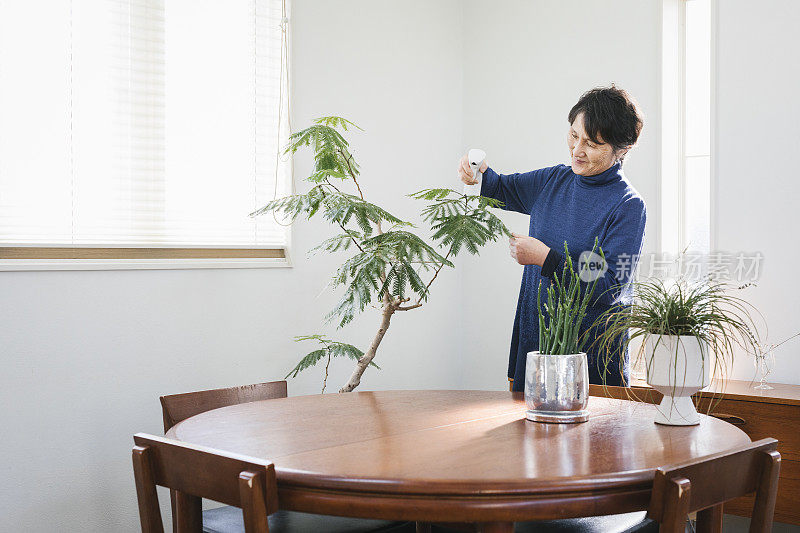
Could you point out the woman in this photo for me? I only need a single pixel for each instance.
(591, 198)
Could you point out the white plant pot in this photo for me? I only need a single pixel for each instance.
(677, 366)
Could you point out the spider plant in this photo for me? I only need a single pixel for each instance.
(706, 310)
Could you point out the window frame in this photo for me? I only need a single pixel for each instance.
(125, 257)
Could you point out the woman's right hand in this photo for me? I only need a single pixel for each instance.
(465, 172)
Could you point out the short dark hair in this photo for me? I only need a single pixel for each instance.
(612, 113)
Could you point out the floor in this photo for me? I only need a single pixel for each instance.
(738, 524)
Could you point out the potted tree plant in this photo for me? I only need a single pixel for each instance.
(388, 261)
(557, 375)
(688, 331)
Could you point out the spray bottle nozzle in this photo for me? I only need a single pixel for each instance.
(476, 158)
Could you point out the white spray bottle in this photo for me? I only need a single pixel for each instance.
(476, 158)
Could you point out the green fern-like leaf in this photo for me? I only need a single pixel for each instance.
(432, 194)
(330, 348)
(461, 221)
(307, 362)
(452, 195)
(336, 122)
(322, 175)
(342, 241)
(342, 208)
(401, 245)
(361, 277)
(293, 206)
(332, 155)
(408, 254)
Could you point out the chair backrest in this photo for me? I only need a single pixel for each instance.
(179, 407)
(702, 483)
(196, 472)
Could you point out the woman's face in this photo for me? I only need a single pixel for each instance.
(589, 157)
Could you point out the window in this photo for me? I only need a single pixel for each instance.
(687, 81)
(686, 141)
(142, 130)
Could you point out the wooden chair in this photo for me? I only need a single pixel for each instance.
(178, 407)
(698, 485)
(196, 472)
(703, 484)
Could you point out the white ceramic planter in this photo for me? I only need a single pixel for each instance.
(677, 366)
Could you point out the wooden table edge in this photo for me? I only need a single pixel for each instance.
(464, 507)
(296, 479)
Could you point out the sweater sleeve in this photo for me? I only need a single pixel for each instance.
(622, 246)
(516, 191)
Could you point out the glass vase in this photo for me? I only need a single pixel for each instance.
(764, 361)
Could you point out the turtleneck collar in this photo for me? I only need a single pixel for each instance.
(611, 175)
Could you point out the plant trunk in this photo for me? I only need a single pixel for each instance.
(369, 355)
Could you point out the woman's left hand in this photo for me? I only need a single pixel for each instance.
(527, 250)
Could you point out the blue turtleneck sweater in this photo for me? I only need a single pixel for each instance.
(565, 206)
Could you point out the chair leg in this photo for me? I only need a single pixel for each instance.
(710, 520)
(676, 505)
(254, 507)
(767, 493)
(149, 512)
(189, 511)
(173, 508)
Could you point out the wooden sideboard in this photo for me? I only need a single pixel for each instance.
(759, 413)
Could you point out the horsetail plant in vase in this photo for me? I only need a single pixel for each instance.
(387, 260)
(557, 375)
(688, 332)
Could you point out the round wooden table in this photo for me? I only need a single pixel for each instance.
(455, 456)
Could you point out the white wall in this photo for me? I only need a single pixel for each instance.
(525, 67)
(758, 136)
(85, 355)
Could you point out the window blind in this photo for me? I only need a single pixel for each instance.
(142, 123)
